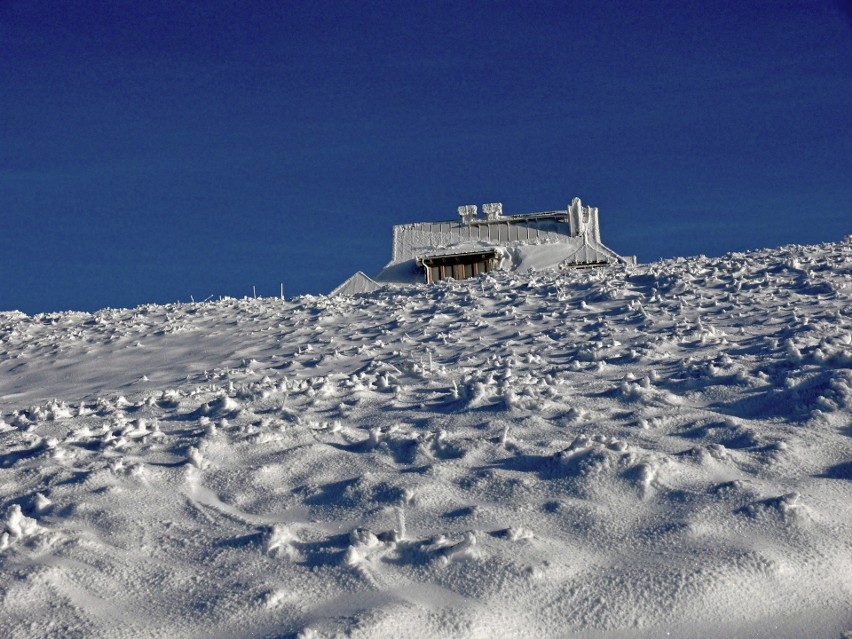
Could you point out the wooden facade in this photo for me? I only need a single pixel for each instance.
(459, 266)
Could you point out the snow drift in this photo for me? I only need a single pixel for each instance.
(663, 450)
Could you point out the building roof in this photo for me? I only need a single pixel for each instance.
(358, 283)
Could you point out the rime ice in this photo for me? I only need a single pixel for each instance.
(472, 245)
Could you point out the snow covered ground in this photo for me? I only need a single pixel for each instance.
(663, 450)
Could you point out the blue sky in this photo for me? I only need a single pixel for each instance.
(150, 152)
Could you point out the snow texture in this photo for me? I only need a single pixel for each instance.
(663, 450)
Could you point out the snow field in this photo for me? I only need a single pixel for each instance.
(663, 450)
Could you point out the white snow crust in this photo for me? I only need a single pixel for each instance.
(652, 451)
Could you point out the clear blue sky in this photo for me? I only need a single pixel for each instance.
(152, 151)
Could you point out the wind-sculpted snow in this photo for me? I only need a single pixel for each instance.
(657, 451)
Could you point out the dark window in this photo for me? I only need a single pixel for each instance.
(459, 267)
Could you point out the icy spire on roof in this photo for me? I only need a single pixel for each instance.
(583, 218)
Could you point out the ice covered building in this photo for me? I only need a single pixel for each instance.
(471, 245)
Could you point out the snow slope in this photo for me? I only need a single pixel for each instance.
(663, 450)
